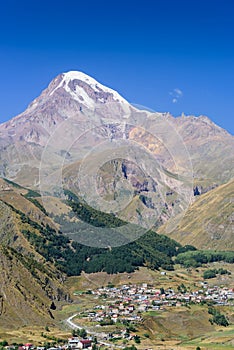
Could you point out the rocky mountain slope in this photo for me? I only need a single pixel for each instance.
(74, 99)
(147, 166)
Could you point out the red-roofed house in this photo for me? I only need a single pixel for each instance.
(84, 344)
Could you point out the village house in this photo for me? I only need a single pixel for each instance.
(84, 344)
(73, 342)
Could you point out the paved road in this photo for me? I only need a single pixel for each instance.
(99, 336)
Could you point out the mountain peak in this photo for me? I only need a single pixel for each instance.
(85, 89)
(73, 74)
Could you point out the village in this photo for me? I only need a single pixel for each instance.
(130, 298)
(126, 303)
(120, 310)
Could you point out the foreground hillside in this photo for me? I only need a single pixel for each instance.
(28, 284)
(28, 289)
(208, 223)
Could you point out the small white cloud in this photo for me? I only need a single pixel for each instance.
(178, 92)
(176, 95)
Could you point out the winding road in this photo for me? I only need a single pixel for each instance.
(99, 336)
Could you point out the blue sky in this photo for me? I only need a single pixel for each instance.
(168, 55)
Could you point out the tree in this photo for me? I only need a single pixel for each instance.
(209, 274)
(83, 333)
(130, 328)
(221, 320)
(182, 288)
(218, 318)
(53, 306)
(137, 339)
(3, 343)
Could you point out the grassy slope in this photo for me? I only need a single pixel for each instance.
(208, 223)
(24, 299)
(28, 283)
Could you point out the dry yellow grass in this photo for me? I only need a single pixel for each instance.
(208, 223)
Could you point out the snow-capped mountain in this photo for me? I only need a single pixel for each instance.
(67, 95)
(77, 102)
(86, 90)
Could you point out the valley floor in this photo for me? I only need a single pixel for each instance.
(137, 301)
